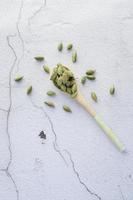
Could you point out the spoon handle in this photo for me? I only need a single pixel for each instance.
(108, 131)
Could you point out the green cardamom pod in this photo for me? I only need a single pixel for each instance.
(46, 69)
(63, 88)
(112, 90)
(60, 71)
(94, 96)
(53, 76)
(60, 47)
(65, 78)
(59, 65)
(74, 57)
(83, 80)
(51, 93)
(74, 88)
(39, 58)
(69, 47)
(91, 77)
(67, 109)
(90, 72)
(60, 81)
(50, 104)
(70, 74)
(29, 89)
(18, 78)
(69, 91)
(74, 94)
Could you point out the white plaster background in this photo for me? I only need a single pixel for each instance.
(76, 161)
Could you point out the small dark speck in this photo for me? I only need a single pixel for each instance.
(42, 135)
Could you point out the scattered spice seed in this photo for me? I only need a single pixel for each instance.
(60, 47)
(67, 109)
(90, 72)
(42, 135)
(29, 90)
(83, 80)
(69, 47)
(91, 77)
(112, 90)
(46, 69)
(51, 93)
(94, 96)
(50, 104)
(74, 57)
(39, 58)
(18, 78)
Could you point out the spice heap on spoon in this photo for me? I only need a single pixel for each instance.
(64, 79)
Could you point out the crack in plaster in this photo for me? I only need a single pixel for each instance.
(78, 177)
(43, 5)
(3, 110)
(56, 148)
(55, 144)
(19, 34)
(11, 178)
(123, 198)
(6, 170)
(10, 96)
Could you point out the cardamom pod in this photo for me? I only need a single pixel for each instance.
(69, 91)
(59, 64)
(60, 47)
(29, 89)
(65, 78)
(90, 72)
(46, 69)
(63, 88)
(60, 71)
(83, 80)
(112, 90)
(74, 95)
(74, 88)
(69, 47)
(94, 96)
(74, 57)
(67, 109)
(50, 104)
(51, 93)
(70, 74)
(60, 81)
(53, 76)
(39, 58)
(91, 77)
(18, 78)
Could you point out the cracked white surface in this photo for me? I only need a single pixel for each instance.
(76, 161)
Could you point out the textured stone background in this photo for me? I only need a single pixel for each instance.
(76, 161)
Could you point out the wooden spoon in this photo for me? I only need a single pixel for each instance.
(108, 131)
